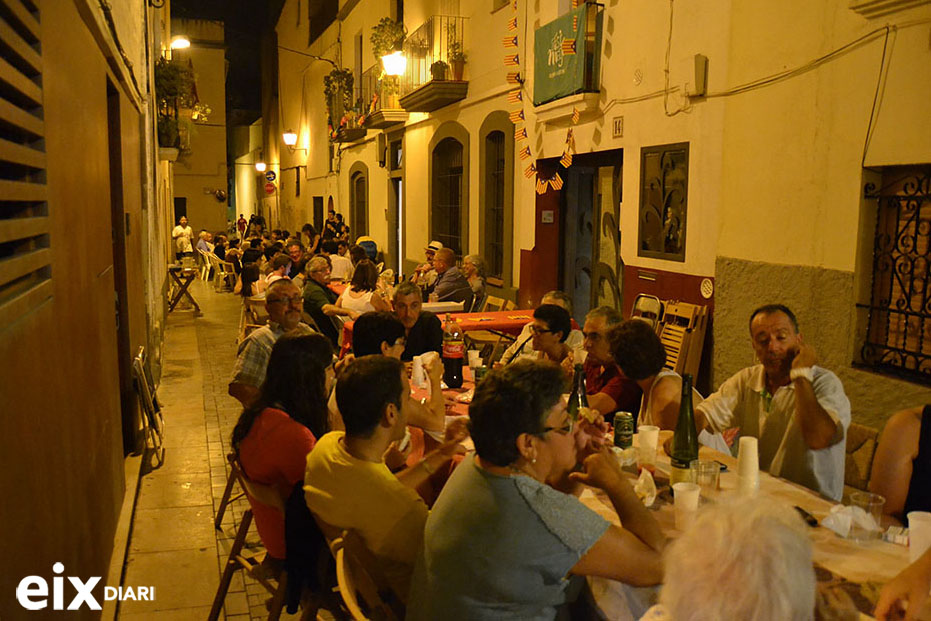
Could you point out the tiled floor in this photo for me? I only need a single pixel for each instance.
(173, 544)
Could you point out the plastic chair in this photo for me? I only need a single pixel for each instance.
(357, 574)
(267, 495)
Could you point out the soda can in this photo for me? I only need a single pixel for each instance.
(623, 430)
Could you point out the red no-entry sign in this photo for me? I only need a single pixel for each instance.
(269, 188)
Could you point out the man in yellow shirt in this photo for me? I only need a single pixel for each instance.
(347, 484)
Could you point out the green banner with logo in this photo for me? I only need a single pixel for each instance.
(561, 66)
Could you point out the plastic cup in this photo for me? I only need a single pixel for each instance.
(919, 534)
(748, 466)
(686, 503)
(418, 377)
(865, 525)
(480, 373)
(705, 473)
(647, 436)
(475, 359)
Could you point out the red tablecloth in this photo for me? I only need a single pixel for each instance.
(337, 287)
(511, 322)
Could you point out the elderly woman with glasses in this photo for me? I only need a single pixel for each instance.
(521, 548)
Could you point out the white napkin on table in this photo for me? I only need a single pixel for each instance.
(842, 517)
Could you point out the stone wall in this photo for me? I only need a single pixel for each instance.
(823, 301)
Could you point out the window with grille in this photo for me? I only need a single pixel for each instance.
(25, 255)
(494, 204)
(358, 198)
(446, 223)
(898, 338)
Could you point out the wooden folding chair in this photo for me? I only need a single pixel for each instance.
(269, 496)
(358, 574)
(491, 342)
(682, 331)
(227, 496)
(153, 423)
(860, 450)
(648, 308)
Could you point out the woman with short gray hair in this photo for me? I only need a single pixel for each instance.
(746, 559)
(473, 268)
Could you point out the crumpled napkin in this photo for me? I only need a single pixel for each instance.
(842, 517)
(645, 488)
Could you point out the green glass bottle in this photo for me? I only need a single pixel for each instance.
(578, 398)
(685, 439)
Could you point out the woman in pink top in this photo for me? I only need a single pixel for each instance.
(274, 435)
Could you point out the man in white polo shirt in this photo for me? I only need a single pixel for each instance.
(797, 410)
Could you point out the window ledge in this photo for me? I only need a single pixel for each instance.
(561, 109)
(877, 8)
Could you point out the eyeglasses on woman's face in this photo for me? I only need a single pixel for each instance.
(538, 329)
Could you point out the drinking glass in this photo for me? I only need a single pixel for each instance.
(705, 473)
(865, 524)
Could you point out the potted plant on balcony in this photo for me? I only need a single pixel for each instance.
(439, 70)
(337, 90)
(174, 93)
(456, 54)
(387, 37)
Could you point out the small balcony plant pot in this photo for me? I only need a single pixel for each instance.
(439, 71)
(458, 67)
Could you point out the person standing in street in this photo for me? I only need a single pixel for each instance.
(182, 235)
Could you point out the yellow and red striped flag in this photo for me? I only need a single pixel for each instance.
(520, 134)
(512, 24)
(525, 153)
(566, 159)
(530, 171)
(576, 3)
(515, 96)
(575, 115)
(512, 60)
(575, 23)
(514, 4)
(568, 47)
(517, 115)
(509, 41)
(514, 77)
(541, 186)
(556, 182)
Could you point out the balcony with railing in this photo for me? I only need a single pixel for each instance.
(567, 75)
(380, 98)
(435, 65)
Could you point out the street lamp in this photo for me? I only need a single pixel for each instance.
(290, 139)
(180, 42)
(260, 166)
(394, 63)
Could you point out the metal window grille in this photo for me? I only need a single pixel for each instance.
(898, 338)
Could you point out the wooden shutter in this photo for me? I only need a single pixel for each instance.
(25, 256)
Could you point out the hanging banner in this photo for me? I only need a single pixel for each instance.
(560, 67)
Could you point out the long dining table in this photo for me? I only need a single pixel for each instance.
(849, 574)
(509, 322)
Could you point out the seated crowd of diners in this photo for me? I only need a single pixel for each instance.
(501, 532)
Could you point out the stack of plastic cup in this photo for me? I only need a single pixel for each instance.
(647, 437)
(685, 497)
(748, 467)
(919, 533)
